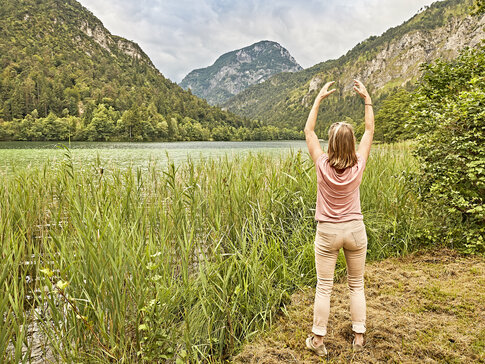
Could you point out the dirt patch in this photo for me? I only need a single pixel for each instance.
(426, 307)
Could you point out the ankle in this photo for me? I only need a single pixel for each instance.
(358, 338)
(317, 340)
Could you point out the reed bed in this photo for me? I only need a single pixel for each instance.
(175, 263)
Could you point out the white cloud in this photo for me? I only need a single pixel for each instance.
(181, 35)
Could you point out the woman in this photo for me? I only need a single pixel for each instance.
(340, 222)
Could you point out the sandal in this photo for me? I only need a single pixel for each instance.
(320, 350)
(357, 347)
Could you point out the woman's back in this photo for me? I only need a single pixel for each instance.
(338, 196)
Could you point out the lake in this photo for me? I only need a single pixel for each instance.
(124, 154)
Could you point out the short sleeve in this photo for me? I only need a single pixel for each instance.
(321, 158)
(361, 161)
(319, 165)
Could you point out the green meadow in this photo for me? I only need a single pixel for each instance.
(180, 261)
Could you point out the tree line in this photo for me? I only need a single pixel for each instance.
(102, 122)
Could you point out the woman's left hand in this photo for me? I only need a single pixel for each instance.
(324, 92)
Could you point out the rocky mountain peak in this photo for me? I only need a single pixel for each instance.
(384, 63)
(234, 71)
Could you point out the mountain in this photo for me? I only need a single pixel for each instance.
(234, 71)
(383, 63)
(58, 59)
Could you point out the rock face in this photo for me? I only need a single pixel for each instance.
(382, 63)
(109, 42)
(235, 71)
(399, 61)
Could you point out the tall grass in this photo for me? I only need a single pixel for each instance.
(178, 262)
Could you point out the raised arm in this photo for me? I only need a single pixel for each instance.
(311, 138)
(366, 141)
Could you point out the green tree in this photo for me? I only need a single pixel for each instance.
(153, 116)
(146, 131)
(127, 123)
(393, 116)
(161, 130)
(173, 130)
(52, 128)
(102, 124)
(88, 111)
(221, 133)
(4, 134)
(479, 7)
(449, 116)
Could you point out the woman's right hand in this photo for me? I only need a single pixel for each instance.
(324, 92)
(361, 90)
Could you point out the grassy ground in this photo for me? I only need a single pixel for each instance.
(177, 262)
(426, 307)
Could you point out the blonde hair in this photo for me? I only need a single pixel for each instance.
(341, 146)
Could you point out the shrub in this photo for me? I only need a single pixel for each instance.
(449, 116)
(393, 116)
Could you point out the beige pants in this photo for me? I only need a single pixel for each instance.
(330, 237)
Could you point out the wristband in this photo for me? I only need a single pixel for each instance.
(368, 104)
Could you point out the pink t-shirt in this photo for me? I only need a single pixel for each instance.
(338, 195)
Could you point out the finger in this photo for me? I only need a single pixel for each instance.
(332, 91)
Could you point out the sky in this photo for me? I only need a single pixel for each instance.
(182, 35)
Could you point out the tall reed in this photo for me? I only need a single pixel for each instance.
(180, 261)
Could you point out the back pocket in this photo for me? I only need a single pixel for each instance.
(360, 237)
(325, 239)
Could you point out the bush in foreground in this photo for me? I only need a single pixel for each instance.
(450, 121)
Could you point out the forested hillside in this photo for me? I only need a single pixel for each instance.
(387, 64)
(63, 75)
